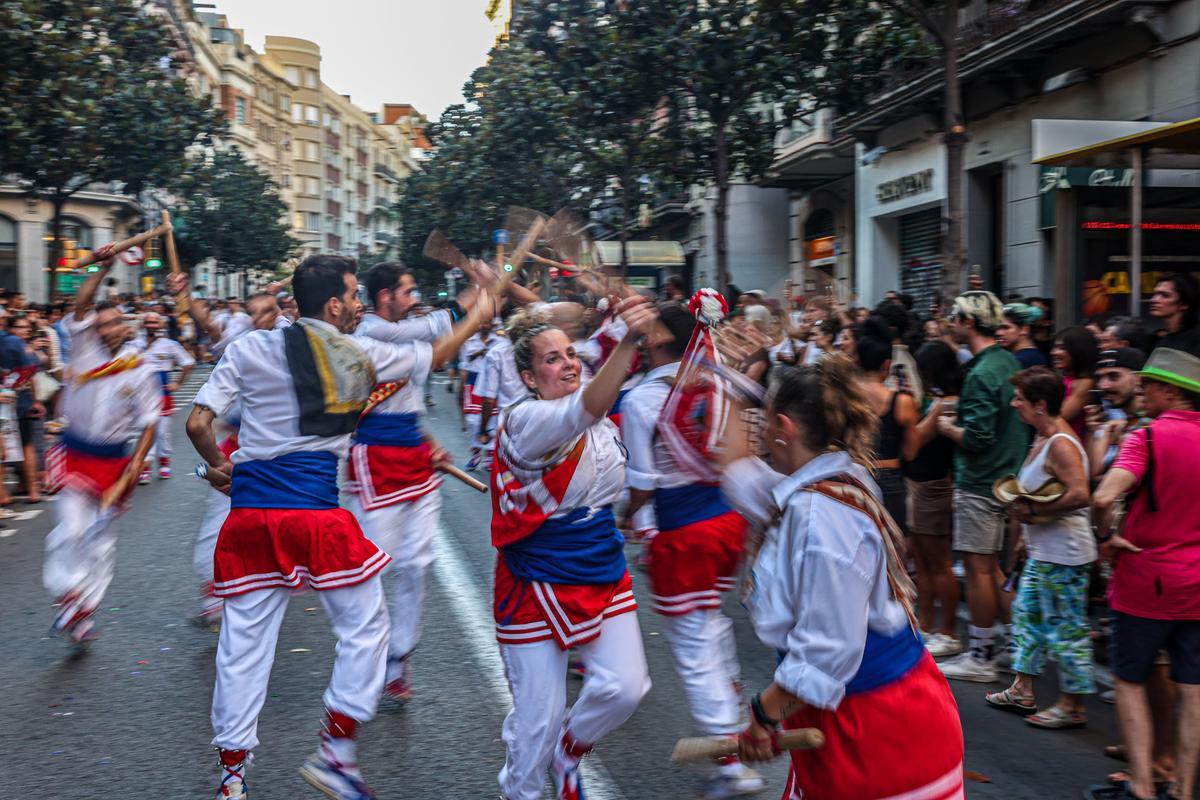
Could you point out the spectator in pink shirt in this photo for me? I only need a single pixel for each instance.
(1155, 589)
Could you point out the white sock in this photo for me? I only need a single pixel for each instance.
(982, 645)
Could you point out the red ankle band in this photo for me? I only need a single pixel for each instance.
(573, 747)
(231, 758)
(339, 726)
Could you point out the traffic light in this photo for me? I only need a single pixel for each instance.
(508, 267)
(67, 260)
(154, 253)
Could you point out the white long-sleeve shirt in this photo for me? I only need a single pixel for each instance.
(820, 579)
(498, 378)
(410, 399)
(255, 371)
(106, 410)
(538, 433)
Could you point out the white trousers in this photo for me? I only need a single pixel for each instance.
(705, 654)
(246, 651)
(81, 551)
(162, 439)
(615, 681)
(472, 421)
(206, 538)
(405, 532)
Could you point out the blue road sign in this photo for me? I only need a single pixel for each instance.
(500, 236)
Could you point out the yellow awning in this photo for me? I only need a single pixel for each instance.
(1178, 137)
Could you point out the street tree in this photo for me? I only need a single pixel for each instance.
(229, 210)
(603, 71)
(90, 97)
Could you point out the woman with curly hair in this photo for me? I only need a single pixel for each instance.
(830, 594)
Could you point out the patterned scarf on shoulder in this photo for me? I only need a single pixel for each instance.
(332, 375)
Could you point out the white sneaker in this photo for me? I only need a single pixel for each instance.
(966, 667)
(733, 780)
(940, 645)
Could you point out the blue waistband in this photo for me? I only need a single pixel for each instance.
(395, 430)
(73, 442)
(886, 659)
(471, 376)
(582, 548)
(684, 505)
(295, 480)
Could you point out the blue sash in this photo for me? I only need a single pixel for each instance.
(392, 430)
(164, 378)
(72, 442)
(578, 550)
(295, 480)
(684, 505)
(886, 659)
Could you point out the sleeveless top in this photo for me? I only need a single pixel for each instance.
(1068, 539)
(891, 436)
(934, 460)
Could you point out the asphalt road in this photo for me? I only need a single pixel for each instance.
(130, 719)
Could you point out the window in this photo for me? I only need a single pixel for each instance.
(312, 115)
(292, 74)
(285, 103)
(298, 220)
(311, 152)
(297, 113)
(337, 125)
(8, 253)
(313, 221)
(312, 186)
(310, 78)
(72, 230)
(285, 180)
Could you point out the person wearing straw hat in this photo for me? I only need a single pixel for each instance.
(1155, 588)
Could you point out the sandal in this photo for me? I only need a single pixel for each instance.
(1008, 700)
(1054, 718)
(1122, 792)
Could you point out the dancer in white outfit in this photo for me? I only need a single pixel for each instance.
(561, 580)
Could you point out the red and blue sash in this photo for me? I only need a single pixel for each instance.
(519, 510)
(583, 548)
(296, 480)
(390, 460)
(680, 506)
(85, 466)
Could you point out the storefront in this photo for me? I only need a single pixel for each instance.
(649, 263)
(900, 202)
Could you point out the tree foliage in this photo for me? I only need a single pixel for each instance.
(89, 97)
(229, 210)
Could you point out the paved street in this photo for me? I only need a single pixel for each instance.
(131, 718)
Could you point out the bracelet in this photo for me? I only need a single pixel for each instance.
(760, 714)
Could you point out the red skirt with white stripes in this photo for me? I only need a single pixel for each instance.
(570, 615)
(901, 741)
(382, 475)
(692, 565)
(266, 548)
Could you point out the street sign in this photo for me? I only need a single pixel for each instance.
(133, 256)
(500, 236)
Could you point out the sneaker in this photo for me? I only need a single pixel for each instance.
(144, 478)
(940, 645)
(233, 781)
(398, 690)
(966, 667)
(333, 779)
(164, 473)
(732, 780)
(473, 463)
(564, 769)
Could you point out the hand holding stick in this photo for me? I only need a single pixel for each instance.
(133, 469)
(109, 250)
(706, 748)
(182, 299)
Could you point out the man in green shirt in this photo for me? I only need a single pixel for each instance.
(992, 442)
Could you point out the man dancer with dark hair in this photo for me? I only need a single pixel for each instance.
(302, 390)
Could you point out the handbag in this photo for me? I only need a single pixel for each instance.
(44, 386)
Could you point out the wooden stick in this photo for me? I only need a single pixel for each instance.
(528, 242)
(122, 246)
(182, 300)
(132, 470)
(706, 748)
(455, 472)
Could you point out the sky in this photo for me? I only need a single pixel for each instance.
(379, 51)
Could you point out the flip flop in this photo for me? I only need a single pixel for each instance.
(1054, 718)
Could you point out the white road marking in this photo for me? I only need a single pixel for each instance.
(474, 609)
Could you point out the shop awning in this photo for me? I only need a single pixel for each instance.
(1067, 142)
(641, 254)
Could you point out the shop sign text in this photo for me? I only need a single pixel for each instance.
(904, 186)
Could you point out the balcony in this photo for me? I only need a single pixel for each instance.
(360, 189)
(333, 140)
(333, 242)
(1004, 46)
(810, 153)
(364, 220)
(333, 208)
(333, 174)
(360, 157)
(386, 172)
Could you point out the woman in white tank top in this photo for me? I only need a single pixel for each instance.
(1050, 611)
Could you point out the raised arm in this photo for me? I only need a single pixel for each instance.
(639, 317)
(86, 294)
